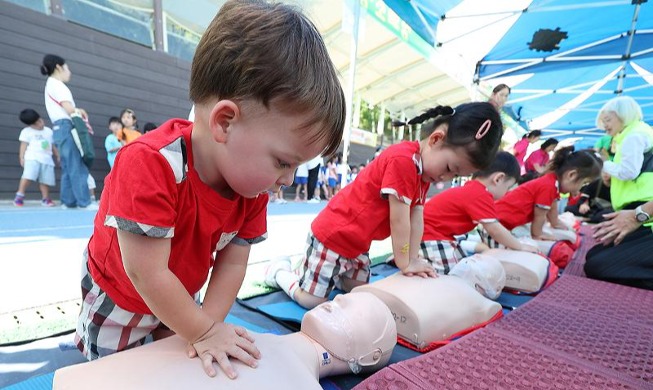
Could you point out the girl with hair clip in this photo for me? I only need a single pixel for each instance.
(129, 130)
(386, 200)
(536, 201)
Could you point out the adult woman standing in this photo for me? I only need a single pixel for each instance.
(631, 186)
(499, 96)
(60, 106)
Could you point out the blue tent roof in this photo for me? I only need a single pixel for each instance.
(578, 55)
(422, 15)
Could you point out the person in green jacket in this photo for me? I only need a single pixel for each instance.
(631, 188)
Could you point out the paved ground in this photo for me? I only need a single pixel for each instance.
(40, 265)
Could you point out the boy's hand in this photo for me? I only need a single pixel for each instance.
(222, 341)
(419, 267)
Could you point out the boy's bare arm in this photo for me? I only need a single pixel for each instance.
(416, 230)
(402, 245)
(552, 217)
(226, 278)
(21, 153)
(400, 231)
(146, 263)
(501, 235)
(539, 217)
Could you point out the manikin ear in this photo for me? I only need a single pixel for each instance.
(221, 119)
(438, 135)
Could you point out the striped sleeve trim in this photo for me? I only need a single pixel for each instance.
(389, 191)
(543, 206)
(487, 220)
(139, 228)
(250, 241)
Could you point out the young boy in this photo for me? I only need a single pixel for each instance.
(35, 155)
(112, 143)
(459, 210)
(191, 197)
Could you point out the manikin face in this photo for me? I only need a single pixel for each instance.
(500, 98)
(611, 123)
(357, 328)
(275, 144)
(441, 162)
(484, 273)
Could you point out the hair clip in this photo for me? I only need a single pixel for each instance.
(484, 129)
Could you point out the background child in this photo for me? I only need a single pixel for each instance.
(188, 200)
(536, 162)
(111, 143)
(35, 156)
(129, 126)
(301, 182)
(536, 201)
(459, 210)
(387, 199)
(521, 147)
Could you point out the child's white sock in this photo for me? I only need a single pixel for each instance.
(288, 282)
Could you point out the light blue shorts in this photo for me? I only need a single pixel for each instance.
(36, 171)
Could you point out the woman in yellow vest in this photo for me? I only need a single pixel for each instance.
(630, 262)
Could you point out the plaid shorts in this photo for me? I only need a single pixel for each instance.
(323, 269)
(104, 328)
(487, 239)
(442, 255)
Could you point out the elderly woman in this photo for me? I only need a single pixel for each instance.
(631, 186)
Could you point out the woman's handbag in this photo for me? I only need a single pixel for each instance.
(81, 134)
(82, 138)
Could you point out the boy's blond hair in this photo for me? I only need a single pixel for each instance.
(270, 53)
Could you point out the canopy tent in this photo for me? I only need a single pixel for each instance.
(572, 57)
(394, 66)
(563, 58)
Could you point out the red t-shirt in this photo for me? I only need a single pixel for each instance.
(153, 190)
(360, 212)
(539, 157)
(457, 211)
(517, 207)
(520, 149)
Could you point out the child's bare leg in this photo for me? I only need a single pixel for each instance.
(306, 299)
(45, 191)
(348, 284)
(22, 185)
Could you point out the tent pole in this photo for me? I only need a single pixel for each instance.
(351, 79)
(629, 46)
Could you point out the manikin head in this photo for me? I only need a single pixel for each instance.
(484, 273)
(357, 328)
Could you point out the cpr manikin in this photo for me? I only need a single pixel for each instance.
(352, 333)
(427, 310)
(484, 273)
(525, 271)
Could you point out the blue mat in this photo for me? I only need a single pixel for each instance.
(512, 301)
(280, 307)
